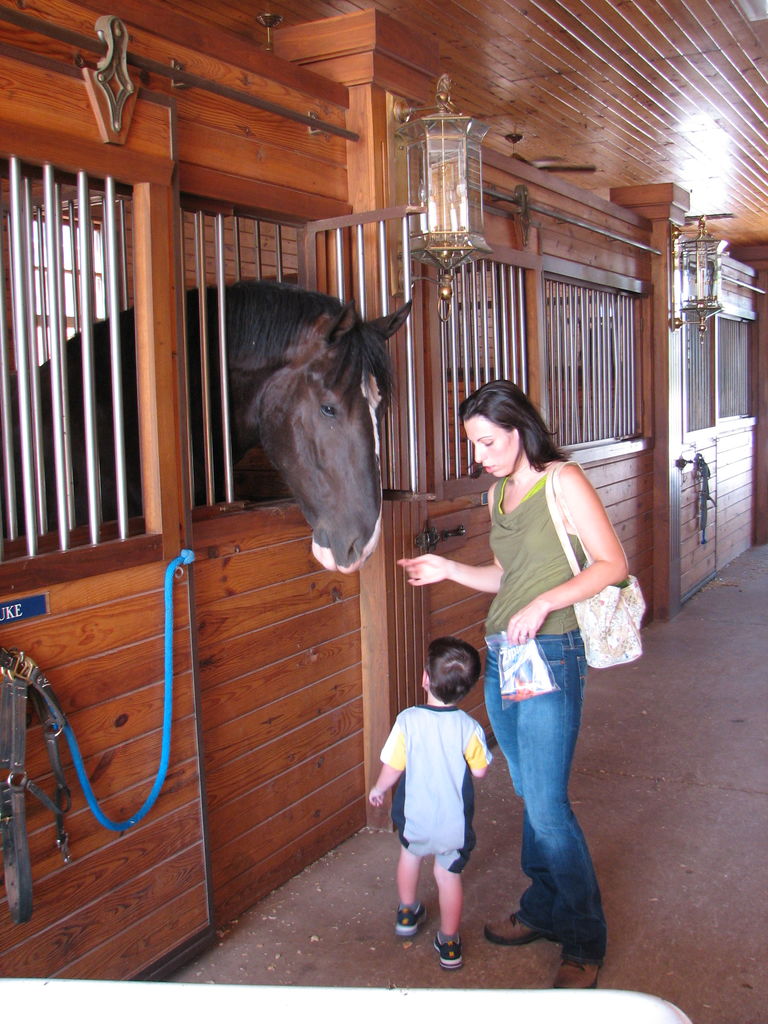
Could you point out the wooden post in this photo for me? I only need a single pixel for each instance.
(157, 361)
(663, 204)
(376, 58)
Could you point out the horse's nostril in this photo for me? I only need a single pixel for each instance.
(321, 538)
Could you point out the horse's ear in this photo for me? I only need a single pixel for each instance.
(389, 325)
(344, 322)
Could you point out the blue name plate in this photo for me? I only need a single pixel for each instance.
(22, 608)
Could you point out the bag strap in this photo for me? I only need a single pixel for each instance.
(557, 518)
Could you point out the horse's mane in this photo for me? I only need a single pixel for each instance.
(265, 317)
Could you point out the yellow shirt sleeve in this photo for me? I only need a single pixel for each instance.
(393, 751)
(477, 754)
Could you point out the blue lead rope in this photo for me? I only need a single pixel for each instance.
(121, 826)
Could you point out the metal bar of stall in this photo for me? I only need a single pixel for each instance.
(561, 336)
(112, 288)
(587, 362)
(56, 340)
(466, 328)
(72, 246)
(65, 235)
(205, 376)
(278, 252)
(616, 367)
(455, 396)
(500, 313)
(33, 281)
(629, 349)
(511, 336)
(124, 303)
(381, 240)
(595, 340)
(445, 376)
(577, 370)
(338, 239)
(484, 266)
(85, 264)
(552, 361)
(384, 290)
(474, 314)
(8, 490)
(362, 304)
(19, 285)
(413, 455)
(229, 486)
(520, 293)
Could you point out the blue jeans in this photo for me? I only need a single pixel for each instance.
(538, 738)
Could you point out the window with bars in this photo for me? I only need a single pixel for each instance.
(592, 362)
(733, 378)
(698, 356)
(219, 250)
(483, 339)
(717, 372)
(65, 264)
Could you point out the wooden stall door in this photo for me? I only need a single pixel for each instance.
(281, 702)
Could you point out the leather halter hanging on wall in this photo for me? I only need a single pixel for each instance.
(20, 679)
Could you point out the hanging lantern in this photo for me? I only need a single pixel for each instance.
(444, 178)
(698, 266)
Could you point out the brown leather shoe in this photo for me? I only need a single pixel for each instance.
(511, 932)
(572, 974)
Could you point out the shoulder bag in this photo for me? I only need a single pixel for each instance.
(610, 620)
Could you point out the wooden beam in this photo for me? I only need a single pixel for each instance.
(662, 389)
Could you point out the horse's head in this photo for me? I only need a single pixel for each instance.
(317, 420)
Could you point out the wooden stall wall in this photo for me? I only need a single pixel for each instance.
(126, 901)
(734, 512)
(280, 710)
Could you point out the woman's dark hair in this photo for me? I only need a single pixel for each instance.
(508, 407)
(453, 667)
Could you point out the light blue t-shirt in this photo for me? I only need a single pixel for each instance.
(433, 804)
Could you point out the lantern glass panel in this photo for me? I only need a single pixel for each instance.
(443, 153)
(700, 273)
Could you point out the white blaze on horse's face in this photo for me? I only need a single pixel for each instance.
(324, 555)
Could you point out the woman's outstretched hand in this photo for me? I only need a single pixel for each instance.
(425, 569)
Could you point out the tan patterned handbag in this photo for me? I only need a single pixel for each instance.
(610, 620)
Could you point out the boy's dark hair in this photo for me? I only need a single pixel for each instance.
(453, 667)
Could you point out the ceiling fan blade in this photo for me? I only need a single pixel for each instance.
(557, 163)
(563, 168)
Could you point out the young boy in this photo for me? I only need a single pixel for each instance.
(433, 751)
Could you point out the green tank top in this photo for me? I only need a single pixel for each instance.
(525, 543)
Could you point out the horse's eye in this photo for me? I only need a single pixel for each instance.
(328, 410)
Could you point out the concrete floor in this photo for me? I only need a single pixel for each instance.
(671, 787)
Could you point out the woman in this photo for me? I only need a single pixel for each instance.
(534, 592)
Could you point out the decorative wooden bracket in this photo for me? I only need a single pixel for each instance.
(110, 89)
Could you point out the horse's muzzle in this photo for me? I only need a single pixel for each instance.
(356, 558)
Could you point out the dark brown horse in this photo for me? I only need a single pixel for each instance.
(306, 381)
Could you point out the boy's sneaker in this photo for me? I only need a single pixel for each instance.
(450, 953)
(410, 919)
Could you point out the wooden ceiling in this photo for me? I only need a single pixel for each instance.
(646, 91)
